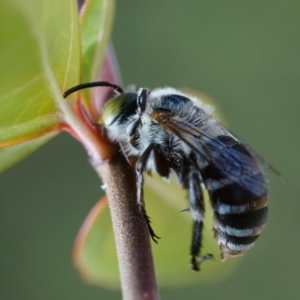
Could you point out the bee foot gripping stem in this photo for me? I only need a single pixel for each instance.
(154, 237)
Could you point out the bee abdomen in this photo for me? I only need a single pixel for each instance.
(239, 217)
(237, 233)
(243, 224)
(238, 222)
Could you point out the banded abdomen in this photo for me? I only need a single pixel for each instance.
(238, 194)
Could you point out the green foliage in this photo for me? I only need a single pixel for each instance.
(39, 58)
(11, 155)
(96, 24)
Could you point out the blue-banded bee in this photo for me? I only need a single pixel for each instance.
(170, 132)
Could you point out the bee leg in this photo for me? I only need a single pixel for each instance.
(160, 162)
(154, 237)
(193, 185)
(140, 196)
(140, 168)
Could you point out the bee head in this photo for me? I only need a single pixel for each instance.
(118, 109)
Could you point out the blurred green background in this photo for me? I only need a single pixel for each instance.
(244, 54)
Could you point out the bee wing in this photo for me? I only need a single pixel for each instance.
(255, 155)
(233, 163)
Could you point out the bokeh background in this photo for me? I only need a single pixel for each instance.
(244, 54)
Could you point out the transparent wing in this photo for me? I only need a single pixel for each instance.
(255, 155)
(234, 158)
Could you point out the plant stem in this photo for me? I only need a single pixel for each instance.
(131, 233)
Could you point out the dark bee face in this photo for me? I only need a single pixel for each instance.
(119, 109)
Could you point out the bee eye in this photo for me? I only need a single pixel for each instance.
(142, 100)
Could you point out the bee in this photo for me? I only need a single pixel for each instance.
(170, 132)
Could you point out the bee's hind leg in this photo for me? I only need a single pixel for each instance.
(192, 182)
(154, 152)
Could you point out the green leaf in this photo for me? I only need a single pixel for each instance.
(95, 254)
(96, 24)
(11, 155)
(39, 58)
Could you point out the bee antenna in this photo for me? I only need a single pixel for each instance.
(90, 85)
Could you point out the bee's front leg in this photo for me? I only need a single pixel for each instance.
(161, 166)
